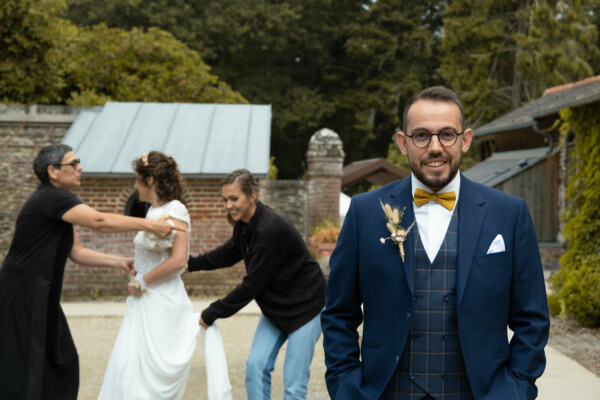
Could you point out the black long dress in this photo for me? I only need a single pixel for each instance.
(38, 359)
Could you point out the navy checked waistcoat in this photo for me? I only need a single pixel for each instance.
(432, 366)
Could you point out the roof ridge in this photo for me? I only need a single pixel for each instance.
(572, 85)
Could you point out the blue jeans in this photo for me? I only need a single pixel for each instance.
(268, 339)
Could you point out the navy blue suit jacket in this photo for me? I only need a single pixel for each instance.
(370, 284)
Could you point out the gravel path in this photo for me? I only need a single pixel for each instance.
(95, 336)
(581, 344)
(95, 326)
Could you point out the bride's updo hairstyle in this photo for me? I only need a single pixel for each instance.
(245, 181)
(164, 170)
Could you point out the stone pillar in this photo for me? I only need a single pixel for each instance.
(325, 158)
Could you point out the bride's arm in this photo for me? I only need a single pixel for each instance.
(84, 256)
(178, 259)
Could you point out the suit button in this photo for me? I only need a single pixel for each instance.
(413, 377)
(445, 337)
(445, 297)
(445, 376)
(408, 316)
(414, 336)
(415, 298)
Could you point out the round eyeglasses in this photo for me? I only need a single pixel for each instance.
(446, 137)
(73, 163)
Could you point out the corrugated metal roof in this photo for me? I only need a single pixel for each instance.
(205, 139)
(546, 105)
(502, 166)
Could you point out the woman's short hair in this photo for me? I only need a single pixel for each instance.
(245, 181)
(47, 156)
(164, 170)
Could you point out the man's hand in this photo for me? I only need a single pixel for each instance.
(133, 291)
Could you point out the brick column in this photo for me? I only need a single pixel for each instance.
(325, 158)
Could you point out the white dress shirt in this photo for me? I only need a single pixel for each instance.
(432, 218)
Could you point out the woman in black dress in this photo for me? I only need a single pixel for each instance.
(38, 359)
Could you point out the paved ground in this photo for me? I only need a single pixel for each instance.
(94, 326)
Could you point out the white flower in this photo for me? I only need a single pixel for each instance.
(382, 240)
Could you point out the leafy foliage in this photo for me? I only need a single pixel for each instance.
(30, 53)
(578, 279)
(140, 66)
(500, 54)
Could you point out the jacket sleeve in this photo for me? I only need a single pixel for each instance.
(223, 256)
(528, 317)
(261, 266)
(343, 314)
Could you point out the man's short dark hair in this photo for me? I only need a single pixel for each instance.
(434, 93)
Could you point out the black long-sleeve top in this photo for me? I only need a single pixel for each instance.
(282, 276)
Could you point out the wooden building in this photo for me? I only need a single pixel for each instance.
(521, 155)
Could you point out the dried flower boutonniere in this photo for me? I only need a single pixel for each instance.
(398, 233)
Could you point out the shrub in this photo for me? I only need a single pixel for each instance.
(326, 232)
(327, 235)
(554, 305)
(581, 295)
(577, 282)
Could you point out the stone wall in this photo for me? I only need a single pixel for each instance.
(289, 198)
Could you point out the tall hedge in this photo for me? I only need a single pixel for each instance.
(578, 279)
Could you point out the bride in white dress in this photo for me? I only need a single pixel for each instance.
(153, 352)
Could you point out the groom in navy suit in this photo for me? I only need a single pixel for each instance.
(436, 268)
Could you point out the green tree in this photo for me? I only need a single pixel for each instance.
(281, 52)
(500, 54)
(139, 66)
(348, 65)
(578, 279)
(391, 53)
(272, 51)
(30, 51)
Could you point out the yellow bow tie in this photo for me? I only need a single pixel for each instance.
(446, 200)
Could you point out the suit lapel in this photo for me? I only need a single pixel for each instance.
(402, 197)
(471, 213)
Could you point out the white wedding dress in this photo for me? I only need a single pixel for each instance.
(153, 352)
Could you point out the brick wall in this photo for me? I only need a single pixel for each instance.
(209, 230)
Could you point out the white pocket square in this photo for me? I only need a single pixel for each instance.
(497, 245)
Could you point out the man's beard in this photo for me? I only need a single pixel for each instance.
(438, 182)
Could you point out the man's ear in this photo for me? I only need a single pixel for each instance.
(467, 138)
(401, 142)
(150, 180)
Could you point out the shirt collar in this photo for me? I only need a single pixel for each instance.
(250, 227)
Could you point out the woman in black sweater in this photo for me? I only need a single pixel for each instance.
(283, 278)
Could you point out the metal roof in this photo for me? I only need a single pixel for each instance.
(205, 139)
(502, 166)
(573, 95)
